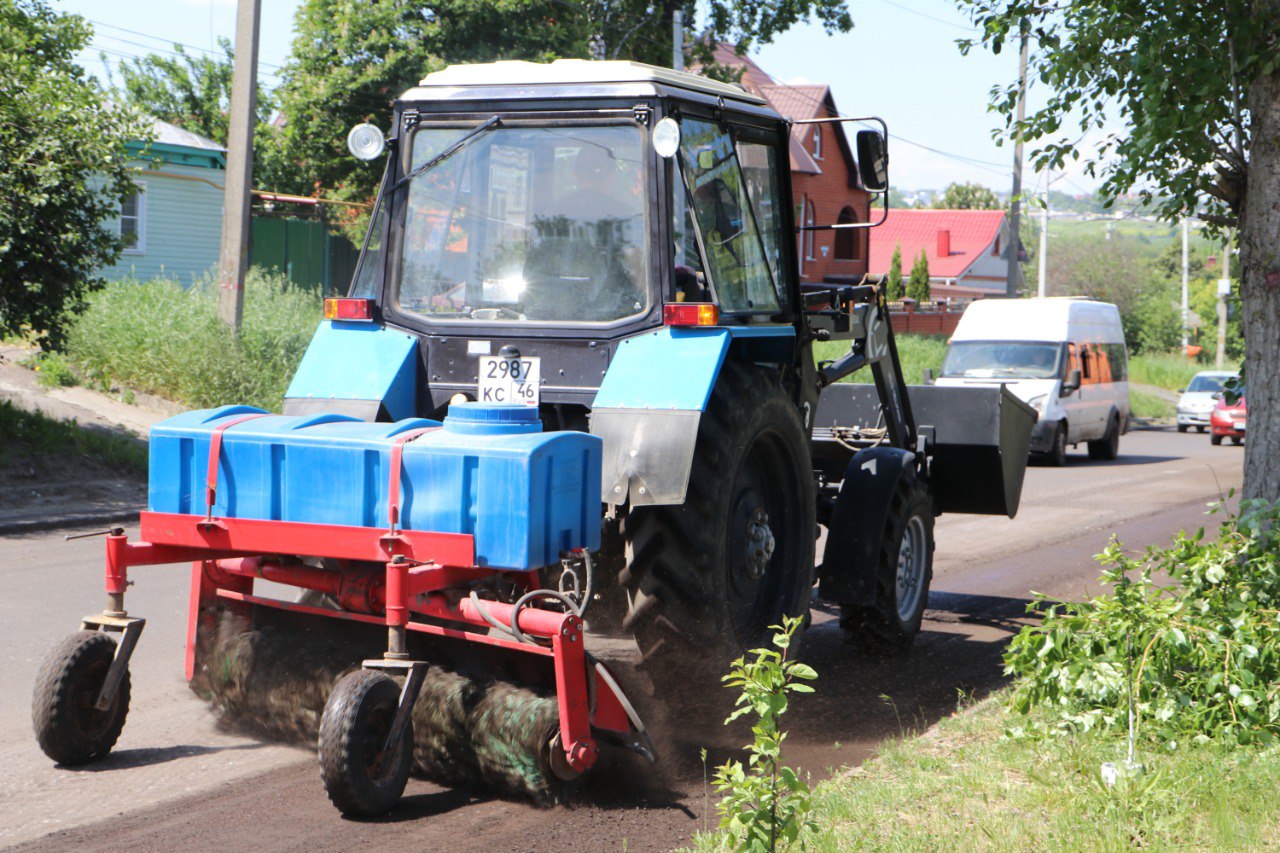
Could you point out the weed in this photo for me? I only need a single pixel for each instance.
(52, 369)
(162, 338)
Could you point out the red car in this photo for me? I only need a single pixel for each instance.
(1227, 421)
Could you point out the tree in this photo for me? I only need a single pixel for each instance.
(1198, 86)
(63, 171)
(967, 197)
(192, 92)
(893, 282)
(918, 282)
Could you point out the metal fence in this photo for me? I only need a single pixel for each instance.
(304, 250)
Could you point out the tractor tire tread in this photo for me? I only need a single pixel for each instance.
(341, 758)
(674, 552)
(52, 703)
(876, 628)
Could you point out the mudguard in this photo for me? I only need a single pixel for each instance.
(651, 401)
(857, 523)
(358, 369)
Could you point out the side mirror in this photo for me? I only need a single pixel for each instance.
(928, 376)
(1072, 383)
(873, 161)
(1182, 390)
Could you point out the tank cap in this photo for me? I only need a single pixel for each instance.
(473, 417)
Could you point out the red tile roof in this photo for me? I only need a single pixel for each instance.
(972, 232)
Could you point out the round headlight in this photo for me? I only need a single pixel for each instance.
(365, 142)
(666, 137)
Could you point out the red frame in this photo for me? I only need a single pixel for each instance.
(227, 554)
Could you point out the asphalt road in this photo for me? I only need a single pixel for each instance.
(176, 781)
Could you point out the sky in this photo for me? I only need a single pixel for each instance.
(900, 62)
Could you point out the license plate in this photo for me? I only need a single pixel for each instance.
(1240, 425)
(510, 380)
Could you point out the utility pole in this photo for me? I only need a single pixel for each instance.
(1015, 219)
(1224, 290)
(234, 257)
(1186, 311)
(1043, 286)
(677, 40)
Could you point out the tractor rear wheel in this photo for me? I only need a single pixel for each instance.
(363, 774)
(706, 579)
(69, 727)
(903, 573)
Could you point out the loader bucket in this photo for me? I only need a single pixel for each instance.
(978, 439)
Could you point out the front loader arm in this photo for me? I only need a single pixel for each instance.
(862, 315)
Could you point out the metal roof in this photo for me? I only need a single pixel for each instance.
(573, 72)
(170, 134)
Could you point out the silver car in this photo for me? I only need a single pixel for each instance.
(1198, 398)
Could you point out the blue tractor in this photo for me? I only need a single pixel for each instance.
(614, 244)
(572, 389)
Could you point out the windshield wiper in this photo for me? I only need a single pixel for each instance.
(448, 152)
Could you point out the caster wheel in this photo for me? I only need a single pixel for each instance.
(360, 776)
(68, 727)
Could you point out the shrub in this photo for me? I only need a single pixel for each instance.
(918, 283)
(1200, 657)
(160, 337)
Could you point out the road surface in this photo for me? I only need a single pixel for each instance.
(176, 781)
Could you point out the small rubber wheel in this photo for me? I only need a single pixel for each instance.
(360, 776)
(903, 574)
(1200, 430)
(1215, 440)
(1056, 455)
(68, 727)
(1107, 447)
(1183, 428)
(1237, 440)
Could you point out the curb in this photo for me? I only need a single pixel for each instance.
(68, 519)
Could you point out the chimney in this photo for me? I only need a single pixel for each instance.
(944, 243)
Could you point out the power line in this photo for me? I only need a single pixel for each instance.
(946, 23)
(166, 41)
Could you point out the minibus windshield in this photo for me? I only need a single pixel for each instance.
(1002, 359)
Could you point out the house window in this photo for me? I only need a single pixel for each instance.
(996, 250)
(808, 235)
(817, 142)
(133, 220)
(848, 246)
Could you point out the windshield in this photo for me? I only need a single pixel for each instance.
(1002, 359)
(526, 224)
(1207, 384)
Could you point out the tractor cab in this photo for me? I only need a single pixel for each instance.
(557, 209)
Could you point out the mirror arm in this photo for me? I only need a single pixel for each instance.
(884, 194)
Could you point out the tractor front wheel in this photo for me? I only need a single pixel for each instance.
(903, 572)
(706, 579)
(363, 774)
(69, 727)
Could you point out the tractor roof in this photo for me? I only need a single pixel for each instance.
(529, 76)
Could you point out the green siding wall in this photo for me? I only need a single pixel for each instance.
(181, 225)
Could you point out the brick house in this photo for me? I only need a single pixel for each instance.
(966, 250)
(824, 175)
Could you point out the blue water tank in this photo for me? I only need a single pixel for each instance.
(524, 494)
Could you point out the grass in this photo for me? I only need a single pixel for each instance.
(165, 339)
(965, 786)
(1144, 405)
(1166, 370)
(28, 435)
(916, 352)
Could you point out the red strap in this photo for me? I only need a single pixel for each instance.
(215, 453)
(393, 487)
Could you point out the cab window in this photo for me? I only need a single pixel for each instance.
(721, 207)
